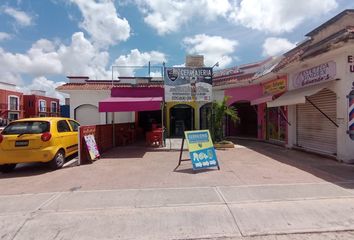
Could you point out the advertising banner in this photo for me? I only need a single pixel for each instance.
(275, 86)
(201, 149)
(321, 73)
(188, 84)
(92, 146)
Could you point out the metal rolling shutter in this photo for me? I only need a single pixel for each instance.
(314, 130)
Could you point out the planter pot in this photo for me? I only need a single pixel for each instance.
(222, 145)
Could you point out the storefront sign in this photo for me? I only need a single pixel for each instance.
(275, 86)
(188, 84)
(92, 146)
(201, 149)
(350, 60)
(321, 73)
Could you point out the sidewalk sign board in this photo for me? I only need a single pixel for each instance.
(92, 146)
(201, 149)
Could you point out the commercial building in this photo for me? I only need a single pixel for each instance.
(303, 99)
(319, 99)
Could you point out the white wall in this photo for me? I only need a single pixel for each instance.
(342, 87)
(218, 95)
(91, 97)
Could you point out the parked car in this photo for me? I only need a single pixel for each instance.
(27, 140)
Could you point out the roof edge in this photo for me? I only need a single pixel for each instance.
(330, 21)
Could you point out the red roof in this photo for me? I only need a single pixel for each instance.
(103, 86)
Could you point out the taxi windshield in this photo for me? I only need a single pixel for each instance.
(26, 127)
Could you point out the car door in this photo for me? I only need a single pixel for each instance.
(75, 136)
(67, 137)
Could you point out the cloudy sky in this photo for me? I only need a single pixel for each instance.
(42, 42)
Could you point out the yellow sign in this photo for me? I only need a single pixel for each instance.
(275, 86)
(201, 149)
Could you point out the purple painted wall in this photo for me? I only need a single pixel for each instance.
(247, 93)
(137, 92)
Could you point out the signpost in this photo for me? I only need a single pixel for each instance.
(201, 149)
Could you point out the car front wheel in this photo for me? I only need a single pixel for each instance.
(58, 160)
(6, 168)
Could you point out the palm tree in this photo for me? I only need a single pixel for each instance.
(220, 110)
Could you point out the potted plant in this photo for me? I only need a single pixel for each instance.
(221, 110)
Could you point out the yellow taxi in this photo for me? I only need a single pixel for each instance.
(38, 140)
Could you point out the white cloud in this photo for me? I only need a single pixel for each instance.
(214, 48)
(180, 65)
(44, 84)
(46, 57)
(21, 17)
(82, 58)
(102, 22)
(156, 74)
(35, 62)
(4, 36)
(279, 16)
(137, 58)
(275, 46)
(168, 16)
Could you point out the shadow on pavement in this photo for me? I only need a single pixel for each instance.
(191, 171)
(31, 169)
(327, 169)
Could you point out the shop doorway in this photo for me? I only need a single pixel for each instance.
(182, 119)
(147, 118)
(247, 125)
(205, 116)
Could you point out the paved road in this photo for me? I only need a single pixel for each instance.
(261, 192)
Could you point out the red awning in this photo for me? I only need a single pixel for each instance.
(130, 104)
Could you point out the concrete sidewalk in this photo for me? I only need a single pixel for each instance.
(246, 212)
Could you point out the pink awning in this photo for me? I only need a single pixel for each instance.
(263, 99)
(130, 104)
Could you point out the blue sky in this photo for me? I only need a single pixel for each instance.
(43, 41)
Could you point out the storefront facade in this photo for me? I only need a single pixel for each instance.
(237, 83)
(273, 121)
(318, 104)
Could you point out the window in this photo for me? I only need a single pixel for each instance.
(13, 116)
(42, 105)
(63, 126)
(29, 127)
(42, 115)
(74, 125)
(54, 107)
(14, 103)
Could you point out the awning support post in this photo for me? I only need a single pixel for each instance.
(113, 131)
(282, 114)
(324, 114)
(162, 123)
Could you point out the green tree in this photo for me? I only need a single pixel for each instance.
(220, 110)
